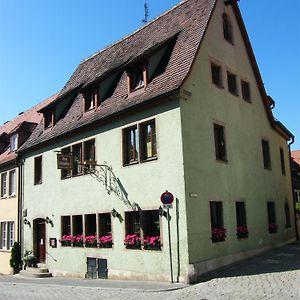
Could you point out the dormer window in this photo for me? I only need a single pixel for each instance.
(227, 29)
(48, 119)
(91, 100)
(14, 142)
(137, 78)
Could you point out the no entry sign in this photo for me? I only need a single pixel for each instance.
(167, 198)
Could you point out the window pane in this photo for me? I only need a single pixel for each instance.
(11, 234)
(240, 214)
(136, 79)
(3, 184)
(77, 225)
(231, 80)
(227, 29)
(90, 225)
(66, 172)
(4, 235)
(216, 215)
(287, 215)
(77, 159)
(245, 91)
(131, 145)
(38, 170)
(266, 154)
(282, 161)
(66, 225)
(216, 75)
(12, 183)
(148, 140)
(220, 146)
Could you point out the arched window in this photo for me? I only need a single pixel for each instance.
(227, 29)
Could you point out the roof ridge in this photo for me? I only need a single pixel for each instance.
(134, 32)
(27, 111)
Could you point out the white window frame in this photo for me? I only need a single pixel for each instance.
(7, 235)
(3, 186)
(12, 183)
(14, 142)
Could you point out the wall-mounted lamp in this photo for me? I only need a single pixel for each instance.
(114, 213)
(26, 222)
(49, 221)
(162, 212)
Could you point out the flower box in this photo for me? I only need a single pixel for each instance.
(90, 241)
(273, 228)
(242, 232)
(218, 235)
(105, 241)
(132, 241)
(152, 243)
(66, 240)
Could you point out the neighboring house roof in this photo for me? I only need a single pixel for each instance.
(185, 25)
(24, 121)
(296, 156)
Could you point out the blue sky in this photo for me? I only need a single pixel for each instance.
(42, 42)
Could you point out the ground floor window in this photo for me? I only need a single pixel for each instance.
(7, 235)
(143, 230)
(83, 230)
(272, 226)
(241, 222)
(218, 232)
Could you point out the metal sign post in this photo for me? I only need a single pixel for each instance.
(167, 199)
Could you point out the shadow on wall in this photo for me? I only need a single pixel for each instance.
(286, 258)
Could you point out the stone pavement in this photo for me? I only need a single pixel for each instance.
(273, 275)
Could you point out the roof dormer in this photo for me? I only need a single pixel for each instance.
(91, 99)
(14, 142)
(49, 119)
(137, 77)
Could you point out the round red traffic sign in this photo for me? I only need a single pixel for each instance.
(166, 198)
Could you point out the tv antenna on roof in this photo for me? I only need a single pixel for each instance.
(146, 7)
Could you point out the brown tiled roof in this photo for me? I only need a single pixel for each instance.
(186, 22)
(25, 119)
(296, 156)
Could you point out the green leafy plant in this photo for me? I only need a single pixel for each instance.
(29, 259)
(16, 259)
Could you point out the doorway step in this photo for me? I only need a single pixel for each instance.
(41, 271)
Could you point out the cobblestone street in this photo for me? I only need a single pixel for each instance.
(272, 275)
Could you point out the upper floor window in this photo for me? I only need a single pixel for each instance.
(266, 154)
(216, 73)
(139, 143)
(220, 145)
(84, 158)
(12, 183)
(3, 184)
(48, 119)
(137, 77)
(14, 142)
(227, 29)
(245, 91)
(38, 170)
(91, 99)
(282, 161)
(232, 86)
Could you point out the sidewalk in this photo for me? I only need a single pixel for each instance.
(146, 286)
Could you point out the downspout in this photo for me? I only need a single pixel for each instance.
(293, 188)
(20, 203)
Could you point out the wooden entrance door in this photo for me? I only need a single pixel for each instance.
(40, 241)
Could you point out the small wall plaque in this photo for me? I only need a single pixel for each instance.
(53, 242)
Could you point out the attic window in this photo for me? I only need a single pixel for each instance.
(91, 100)
(14, 142)
(137, 78)
(227, 29)
(48, 119)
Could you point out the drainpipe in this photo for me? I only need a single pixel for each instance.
(20, 164)
(293, 188)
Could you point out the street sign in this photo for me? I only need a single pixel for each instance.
(167, 206)
(64, 161)
(167, 198)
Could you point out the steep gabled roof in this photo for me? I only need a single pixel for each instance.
(24, 121)
(185, 24)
